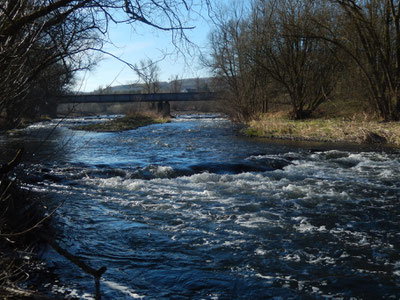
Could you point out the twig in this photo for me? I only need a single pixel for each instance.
(13, 163)
(78, 262)
(22, 294)
(34, 226)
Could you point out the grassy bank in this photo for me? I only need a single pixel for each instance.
(128, 122)
(325, 129)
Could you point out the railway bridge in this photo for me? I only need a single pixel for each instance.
(162, 99)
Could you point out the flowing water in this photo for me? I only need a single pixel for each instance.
(190, 209)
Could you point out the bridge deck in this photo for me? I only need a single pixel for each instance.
(159, 97)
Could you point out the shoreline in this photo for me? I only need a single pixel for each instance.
(328, 131)
(128, 122)
(332, 131)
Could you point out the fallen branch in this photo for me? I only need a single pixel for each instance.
(78, 262)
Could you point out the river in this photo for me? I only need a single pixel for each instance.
(192, 210)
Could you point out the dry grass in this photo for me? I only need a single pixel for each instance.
(356, 130)
(151, 114)
(132, 120)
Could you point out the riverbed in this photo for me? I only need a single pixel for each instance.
(192, 210)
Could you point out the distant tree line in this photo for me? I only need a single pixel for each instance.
(43, 43)
(306, 52)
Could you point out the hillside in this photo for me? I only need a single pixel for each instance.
(189, 84)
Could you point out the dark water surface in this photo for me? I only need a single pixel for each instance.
(191, 210)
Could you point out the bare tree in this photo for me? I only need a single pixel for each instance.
(33, 40)
(175, 85)
(243, 83)
(65, 31)
(371, 37)
(149, 73)
(258, 52)
(304, 67)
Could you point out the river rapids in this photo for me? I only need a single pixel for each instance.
(192, 210)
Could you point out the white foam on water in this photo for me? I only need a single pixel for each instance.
(157, 171)
(297, 181)
(189, 195)
(388, 174)
(260, 252)
(324, 260)
(123, 289)
(397, 268)
(307, 227)
(251, 221)
(291, 257)
(235, 243)
(295, 191)
(70, 293)
(39, 125)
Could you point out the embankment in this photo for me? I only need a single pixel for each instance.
(326, 130)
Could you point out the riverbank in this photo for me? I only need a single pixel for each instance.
(359, 131)
(129, 122)
(23, 222)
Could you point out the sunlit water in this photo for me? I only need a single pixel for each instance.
(190, 209)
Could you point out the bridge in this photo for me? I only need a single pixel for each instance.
(157, 97)
(162, 99)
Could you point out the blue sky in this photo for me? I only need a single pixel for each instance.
(143, 42)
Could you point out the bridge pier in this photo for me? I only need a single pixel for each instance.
(164, 108)
(159, 107)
